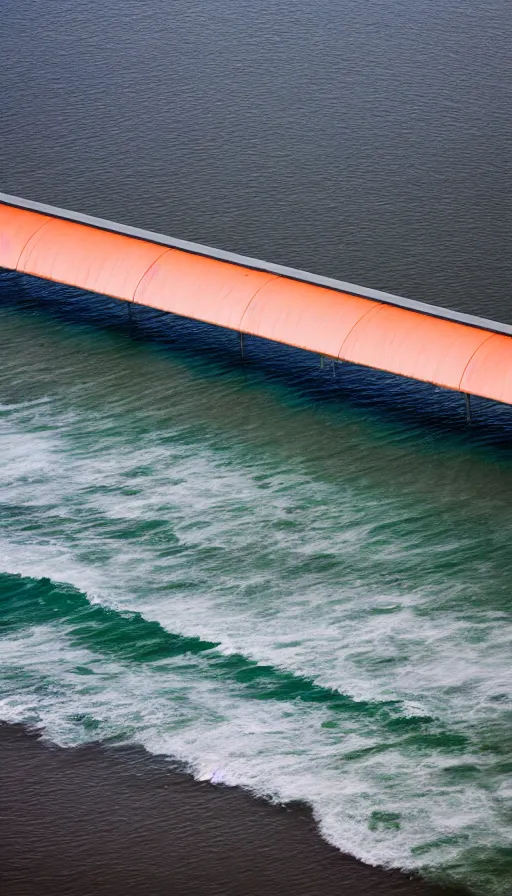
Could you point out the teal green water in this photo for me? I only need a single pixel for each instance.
(285, 588)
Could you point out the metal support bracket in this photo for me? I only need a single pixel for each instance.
(467, 398)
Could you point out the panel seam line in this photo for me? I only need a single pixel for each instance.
(477, 349)
(31, 237)
(251, 300)
(135, 291)
(379, 305)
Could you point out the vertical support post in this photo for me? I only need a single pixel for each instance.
(242, 345)
(322, 361)
(467, 398)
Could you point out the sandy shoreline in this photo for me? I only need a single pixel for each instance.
(102, 820)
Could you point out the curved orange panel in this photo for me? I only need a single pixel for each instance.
(16, 228)
(92, 259)
(489, 372)
(386, 337)
(199, 287)
(414, 345)
(303, 315)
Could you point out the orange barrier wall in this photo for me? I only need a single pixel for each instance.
(333, 323)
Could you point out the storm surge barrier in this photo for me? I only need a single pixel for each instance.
(318, 314)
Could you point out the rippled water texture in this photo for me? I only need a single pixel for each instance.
(263, 570)
(368, 141)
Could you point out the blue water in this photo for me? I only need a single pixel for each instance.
(292, 579)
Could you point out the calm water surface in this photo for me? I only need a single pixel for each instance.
(369, 141)
(292, 579)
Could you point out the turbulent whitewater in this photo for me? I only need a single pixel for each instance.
(285, 590)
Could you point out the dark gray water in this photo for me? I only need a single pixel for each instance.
(369, 141)
(293, 582)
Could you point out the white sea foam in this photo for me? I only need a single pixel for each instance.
(279, 750)
(286, 568)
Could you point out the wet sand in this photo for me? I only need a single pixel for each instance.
(114, 820)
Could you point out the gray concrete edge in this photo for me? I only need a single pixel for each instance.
(257, 265)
